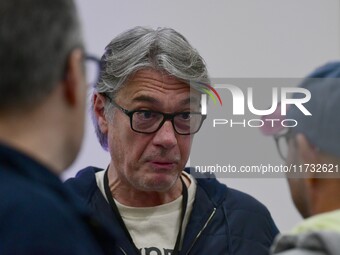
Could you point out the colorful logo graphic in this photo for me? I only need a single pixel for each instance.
(206, 89)
(209, 90)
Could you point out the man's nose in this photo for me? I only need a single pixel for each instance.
(166, 136)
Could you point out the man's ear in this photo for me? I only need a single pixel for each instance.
(310, 157)
(307, 152)
(74, 80)
(99, 112)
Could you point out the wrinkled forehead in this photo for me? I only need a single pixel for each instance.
(158, 75)
(155, 81)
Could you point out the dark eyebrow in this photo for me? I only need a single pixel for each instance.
(148, 99)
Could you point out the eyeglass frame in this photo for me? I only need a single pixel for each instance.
(286, 135)
(166, 116)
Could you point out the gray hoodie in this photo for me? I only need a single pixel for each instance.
(313, 243)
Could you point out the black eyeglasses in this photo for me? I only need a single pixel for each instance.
(148, 122)
(92, 69)
(281, 141)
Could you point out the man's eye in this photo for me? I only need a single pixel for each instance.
(184, 116)
(145, 115)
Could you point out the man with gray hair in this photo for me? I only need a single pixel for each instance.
(42, 108)
(146, 110)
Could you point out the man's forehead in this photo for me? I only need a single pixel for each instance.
(158, 76)
(149, 81)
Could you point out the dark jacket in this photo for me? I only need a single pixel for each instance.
(38, 215)
(223, 220)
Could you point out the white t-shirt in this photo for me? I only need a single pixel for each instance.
(154, 230)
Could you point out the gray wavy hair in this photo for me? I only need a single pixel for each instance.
(162, 49)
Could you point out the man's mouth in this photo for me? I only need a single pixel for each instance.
(163, 164)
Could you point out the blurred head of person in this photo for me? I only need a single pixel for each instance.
(312, 147)
(42, 82)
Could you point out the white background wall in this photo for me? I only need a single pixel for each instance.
(237, 38)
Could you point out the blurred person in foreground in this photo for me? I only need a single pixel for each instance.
(42, 108)
(313, 146)
(146, 110)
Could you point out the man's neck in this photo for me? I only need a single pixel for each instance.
(35, 138)
(325, 196)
